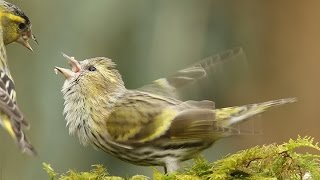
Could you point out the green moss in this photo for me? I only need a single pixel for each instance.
(268, 162)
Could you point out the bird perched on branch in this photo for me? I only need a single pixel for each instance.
(149, 125)
(15, 26)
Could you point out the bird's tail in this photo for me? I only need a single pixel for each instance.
(15, 131)
(233, 115)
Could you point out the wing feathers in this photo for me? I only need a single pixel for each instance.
(168, 86)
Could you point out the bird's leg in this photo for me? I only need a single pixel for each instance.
(171, 165)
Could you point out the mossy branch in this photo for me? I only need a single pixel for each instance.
(265, 162)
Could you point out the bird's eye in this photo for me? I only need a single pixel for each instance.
(92, 68)
(22, 26)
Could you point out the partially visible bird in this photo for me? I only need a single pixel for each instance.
(15, 26)
(149, 125)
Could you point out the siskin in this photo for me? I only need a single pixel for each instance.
(15, 27)
(149, 125)
(15, 24)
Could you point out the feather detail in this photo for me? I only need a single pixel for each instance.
(169, 86)
(11, 118)
(234, 115)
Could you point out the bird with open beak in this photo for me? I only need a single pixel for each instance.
(148, 126)
(16, 25)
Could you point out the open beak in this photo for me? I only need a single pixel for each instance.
(24, 39)
(75, 67)
(66, 72)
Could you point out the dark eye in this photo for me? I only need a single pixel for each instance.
(92, 68)
(22, 26)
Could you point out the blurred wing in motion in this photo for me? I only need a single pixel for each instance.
(11, 118)
(170, 85)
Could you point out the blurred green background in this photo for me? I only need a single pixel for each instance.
(151, 39)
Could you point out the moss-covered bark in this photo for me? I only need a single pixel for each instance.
(261, 162)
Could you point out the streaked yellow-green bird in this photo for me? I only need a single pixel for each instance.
(15, 27)
(15, 24)
(149, 125)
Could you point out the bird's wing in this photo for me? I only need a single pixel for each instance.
(143, 117)
(140, 117)
(169, 86)
(7, 103)
(7, 89)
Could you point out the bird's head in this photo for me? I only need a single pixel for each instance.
(91, 85)
(16, 25)
(93, 76)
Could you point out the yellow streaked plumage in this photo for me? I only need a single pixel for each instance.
(149, 125)
(161, 124)
(15, 26)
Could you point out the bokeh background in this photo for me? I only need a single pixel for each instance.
(151, 39)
